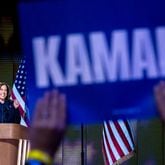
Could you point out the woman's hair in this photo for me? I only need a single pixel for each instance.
(8, 89)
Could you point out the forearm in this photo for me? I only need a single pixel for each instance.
(39, 157)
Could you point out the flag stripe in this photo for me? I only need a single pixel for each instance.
(117, 141)
(23, 122)
(111, 153)
(115, 138)
(128, 128)
(123, 138)
(125, 134)
(110, 141)
(109, 156)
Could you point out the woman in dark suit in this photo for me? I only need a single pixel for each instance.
(9, 112)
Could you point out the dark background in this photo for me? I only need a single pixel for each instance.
(10, 45)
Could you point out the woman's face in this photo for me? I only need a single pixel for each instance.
(3, 92)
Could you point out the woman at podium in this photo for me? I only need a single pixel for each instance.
(9, 112)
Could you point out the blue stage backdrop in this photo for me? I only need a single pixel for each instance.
(105, 55)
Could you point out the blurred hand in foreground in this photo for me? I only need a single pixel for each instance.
(159, 92)
(49, 122)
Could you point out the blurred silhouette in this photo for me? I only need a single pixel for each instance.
(159, 91)
(48, 128)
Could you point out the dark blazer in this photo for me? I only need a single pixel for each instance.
(8, 114)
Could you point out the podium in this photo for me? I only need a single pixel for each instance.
(13, 144)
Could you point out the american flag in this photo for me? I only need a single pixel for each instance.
(118, 143)
(18, 92)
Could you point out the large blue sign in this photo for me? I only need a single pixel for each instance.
(106, 56)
